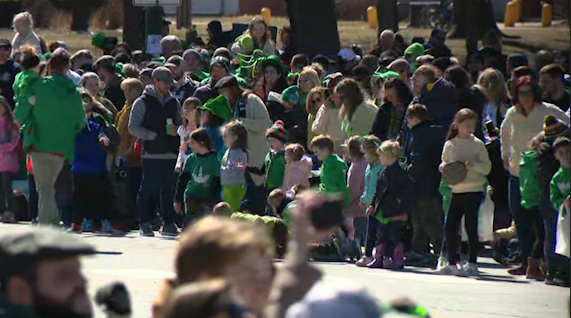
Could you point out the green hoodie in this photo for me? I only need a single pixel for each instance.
(275, 165)
(528, 183)
(22, 84)
(57, 117)
(332, 173)
(559, 188)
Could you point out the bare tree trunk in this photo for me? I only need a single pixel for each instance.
(459, 19)
(387, 14)
(132, 26)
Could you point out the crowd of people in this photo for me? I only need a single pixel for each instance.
(410, 139)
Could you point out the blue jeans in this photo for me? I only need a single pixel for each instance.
(157, 186)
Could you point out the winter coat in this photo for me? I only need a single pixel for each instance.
(425, 153)
(528, 180)
(439, 99)
(205, 92)
(394, 192)
(23, 84)
(372, 174)
(56, 118)
(388, 122)
(470, 150)
(297, 172)
(275, 168)
(90, 158)
(518, 130)
(126, 148)
(113, 92)
(328, 122)
(356, 185)
(9, 136)
(560, 187)
(8, 73)
(332, 175)
(547, 166)
(362, 120)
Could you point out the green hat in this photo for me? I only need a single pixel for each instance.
(35, 244)
(386, 75)
(275, 61)
(414, 49)
(291, 94)
(246, 42)
(98, 39)
(218, 106)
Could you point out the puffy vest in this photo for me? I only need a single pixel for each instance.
(155, 120)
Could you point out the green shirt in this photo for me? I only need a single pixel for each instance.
(559, 187)
(268, 222)
(275, 169)
(332, 174)
(202, 170)
(528, 182)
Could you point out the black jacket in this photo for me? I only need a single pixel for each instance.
(474, 99)
(547, 166)
(156, 115)
(395, 190)
(8, 73)
(425, 155)
(205, 92)
(186, 90)
(440, 102)
(387, 122)
(114, 93)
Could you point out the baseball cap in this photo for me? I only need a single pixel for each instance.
(19, 250)
(5, 43)
(348, 55)
(225, 82)
(163, 74)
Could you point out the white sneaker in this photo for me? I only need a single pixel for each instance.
(449, 269)
(471, 269)
(442, 262)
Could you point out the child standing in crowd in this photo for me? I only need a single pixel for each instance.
(199, 181)
(190, 122)
(30, 63)
(370, 145)
(9, 136)
(333, 168)
(392, 203)
(234, 163)
(298, 167)
(560, 194)
(92, 195)
(465, 164)
(275, 162)
(355, 214)
(24, 26)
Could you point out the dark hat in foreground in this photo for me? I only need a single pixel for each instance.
(5, 43)
(454, 172)
(41, 243)
(226, 82)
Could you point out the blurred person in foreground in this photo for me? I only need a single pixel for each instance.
(41, 275)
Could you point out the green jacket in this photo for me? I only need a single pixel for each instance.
(56, 118)
(332, 174)
(559, 187)
(275, 169)
(528, 182)
(9, 310)
(22, 84)
(203, 170)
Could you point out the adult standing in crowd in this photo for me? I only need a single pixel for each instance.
(219, 68)
(8, 70)
(522, 123)
(390, 117)
(435, 93)
(170, 44)
(184, 86)
(53, 122)
(357, 112)
(41, 275)
(251, 111)
(154, 120)
(327, 121)
(105, 68)
(91, 82)
(386, 44)
(551, 81)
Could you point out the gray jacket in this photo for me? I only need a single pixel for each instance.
(233, 167)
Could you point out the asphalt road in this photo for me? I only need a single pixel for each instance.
(142, 263)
